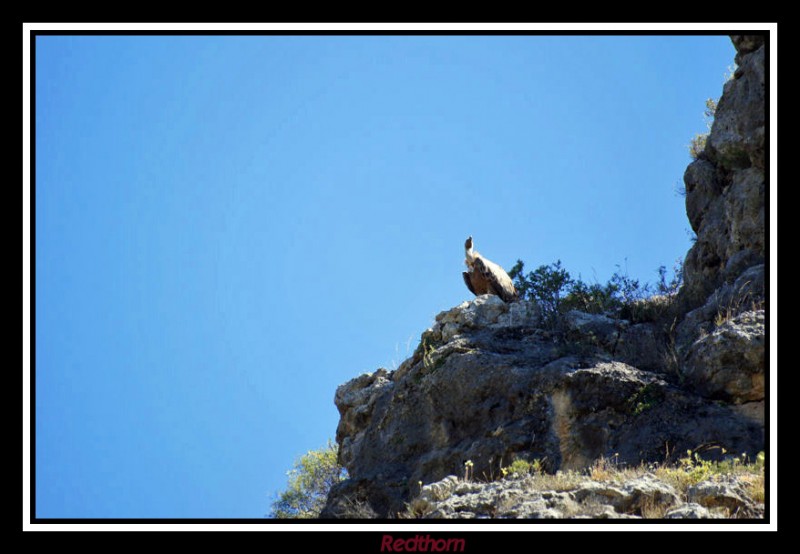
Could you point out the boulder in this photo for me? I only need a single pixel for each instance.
(729, 363)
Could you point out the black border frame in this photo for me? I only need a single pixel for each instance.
(473, 538)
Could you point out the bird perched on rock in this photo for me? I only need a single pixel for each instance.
(486, 277)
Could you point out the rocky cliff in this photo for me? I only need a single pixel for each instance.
(720, 342)
(490, 383)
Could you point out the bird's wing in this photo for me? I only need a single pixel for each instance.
(468, 281)
(497, 279)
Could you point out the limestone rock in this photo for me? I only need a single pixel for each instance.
(754, 411)
(692, 510)
(492, 393)
(737, 135)
(724, 494)
(702, 188)
(747, 43)
(729, 363)
(725, 187)
(643, 346)
(633, 496)
(747, 291)
(597, 328)
(533, 497)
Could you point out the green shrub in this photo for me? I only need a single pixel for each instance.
(698, 143)
(521, 467)
(556, 292)
(670, 287)
(310, 479)
(546, 285)
(593, 299)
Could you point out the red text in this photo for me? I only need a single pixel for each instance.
(420, 543)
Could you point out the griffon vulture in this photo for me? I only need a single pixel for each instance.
(486, 277)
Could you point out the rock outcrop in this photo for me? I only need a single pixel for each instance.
(729, 362)
(639, 496)
(488, 385)
(725, 186)
(720, 342)
(491, 382)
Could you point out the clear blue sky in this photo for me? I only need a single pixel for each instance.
(227, 228)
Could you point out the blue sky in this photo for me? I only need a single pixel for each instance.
(227, 228)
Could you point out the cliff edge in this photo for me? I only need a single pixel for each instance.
(490, 383)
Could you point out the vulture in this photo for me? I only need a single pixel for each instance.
(486, 277)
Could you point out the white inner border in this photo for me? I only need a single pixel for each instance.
(450, 529)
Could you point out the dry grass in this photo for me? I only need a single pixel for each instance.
(738, 303)
(559, 482)
(591, 507)
(602, 470)
(418, 508)
(654, 510)
(688, 471)
(679, 479)
(609, 470)
(754, 486)
(653, 308)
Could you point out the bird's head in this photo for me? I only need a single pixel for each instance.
(469, 252)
